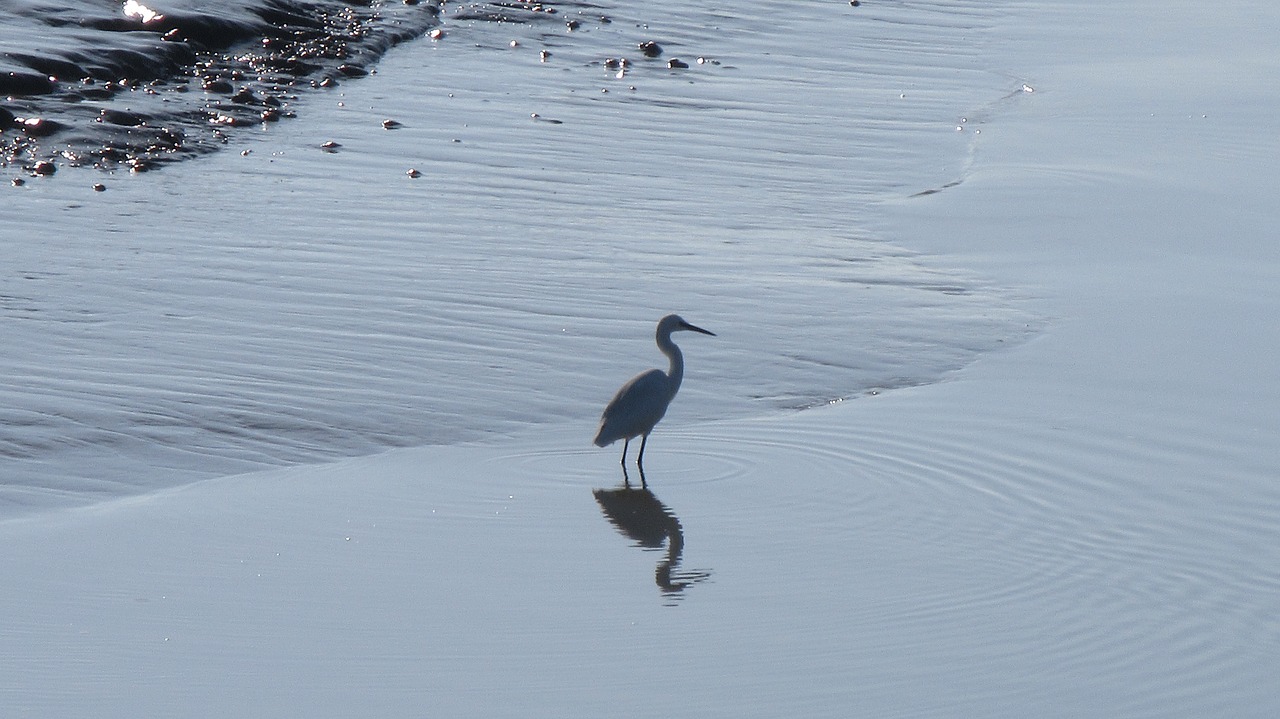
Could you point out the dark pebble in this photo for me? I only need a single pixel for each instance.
(18, 182)
(573, 25)
(23, 83)
(330, 146)
(38, 127)
(413, 173)
(219, 86)
(391, 124)
(244, 96)
(352, 70)
(854, 3)
(677, 64)
(99, 187)
(650, 48)
(121, 117)
(44, 167)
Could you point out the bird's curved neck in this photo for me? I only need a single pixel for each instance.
(676, 372)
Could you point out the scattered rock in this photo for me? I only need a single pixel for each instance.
(37, 126)
(218, 86)
(99, 187)
(676, 63)
(650, 48)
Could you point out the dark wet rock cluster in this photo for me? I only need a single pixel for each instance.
(135, 92)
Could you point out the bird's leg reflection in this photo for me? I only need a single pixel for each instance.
(626, 478)
(640, 516)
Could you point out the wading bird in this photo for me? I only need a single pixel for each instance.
(642, 401)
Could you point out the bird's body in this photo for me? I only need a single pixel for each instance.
(643, 400)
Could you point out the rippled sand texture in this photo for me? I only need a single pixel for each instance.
(293, 305)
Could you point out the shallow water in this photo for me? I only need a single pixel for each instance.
(1082, 524)
(278, 304)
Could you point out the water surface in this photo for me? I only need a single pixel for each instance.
(279, 304)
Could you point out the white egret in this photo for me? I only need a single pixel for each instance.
(642, 401)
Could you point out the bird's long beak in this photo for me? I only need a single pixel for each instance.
(687, 326)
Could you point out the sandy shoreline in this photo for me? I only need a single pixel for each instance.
(1079, 525)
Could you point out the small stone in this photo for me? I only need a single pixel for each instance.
(218, 86)
(676, 64)
(650, 48)
(391, 124)
(330, 146)
(413, 173)
(99, 187)
(436, 34)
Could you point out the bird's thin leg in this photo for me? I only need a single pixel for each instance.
(640, 457)
(625, 443)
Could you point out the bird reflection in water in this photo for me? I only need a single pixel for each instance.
(640, 516)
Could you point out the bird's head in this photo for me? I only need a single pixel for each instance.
(676, 323)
